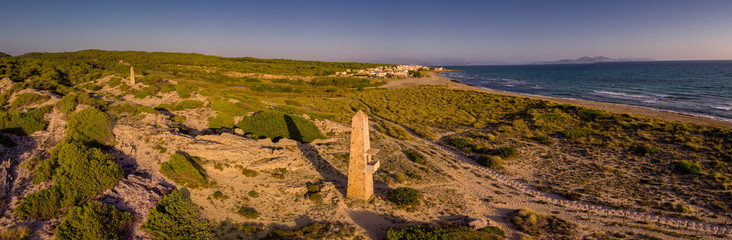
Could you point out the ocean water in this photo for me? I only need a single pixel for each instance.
(700, 88)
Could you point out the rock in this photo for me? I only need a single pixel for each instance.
(238, 131)
(479, 223)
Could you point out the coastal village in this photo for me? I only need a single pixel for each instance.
(399, 71)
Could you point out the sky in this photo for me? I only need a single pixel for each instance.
(377, 31)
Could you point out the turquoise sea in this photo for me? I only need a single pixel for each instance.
(700, 88)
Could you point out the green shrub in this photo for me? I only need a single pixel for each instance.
(688, 167)
(592, 114)
(508, 152)
(90, 126)
(460, 142)
(249, 173)
(576, 133)
(19, 123)
(313, 188)
(91, 87)
(494, 162)
(43, 204)
(253, 194)
(394, 131)
(493, 230)
(280, 125)
(134, 109)
(184, 171)
(405, 197)
(184, 91)
(25, 99)
(544, 139)
(175, 216)
(16, 233)
(79, 172)
(93, 220)
(415, 156)
(185, 104)
(114, 82)
(247, 212)
(67, 104)
(646, 150)
(218, 195)
(452, 232)
(146, 91)
(535, 225)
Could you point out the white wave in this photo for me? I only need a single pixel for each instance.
(723, 108)
(623, 95)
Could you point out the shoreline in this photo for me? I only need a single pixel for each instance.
(433, 79)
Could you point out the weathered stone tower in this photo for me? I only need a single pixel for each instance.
(361, 166)
(132, 75)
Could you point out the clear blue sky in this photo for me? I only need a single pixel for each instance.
(376, 30)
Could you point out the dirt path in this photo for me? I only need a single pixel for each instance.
(474, 180)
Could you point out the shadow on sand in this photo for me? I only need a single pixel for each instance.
(327, 171)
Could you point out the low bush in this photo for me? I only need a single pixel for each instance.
(313, 188)
(280, 125)
(592, 114)
(93, 220)
(23, 124)
(536, 225)
(16, 233)
(247, 212)
(688, 167)
(134, 109)
(184, 171)
(405, 197)
(508, 152)
(494, 162)
(175, 216)
(253, 194)
(420, 232)
(248, 172)
(114, 82)
(576, 133)
(185, 104)
(25, 99)
(415, 156)
(90, 126)
(78, 173)
(146, 91)
(646, 150)
(460, 142)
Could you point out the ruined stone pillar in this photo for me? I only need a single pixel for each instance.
(132, 75)
(361, 166)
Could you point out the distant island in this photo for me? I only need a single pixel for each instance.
(587, 60)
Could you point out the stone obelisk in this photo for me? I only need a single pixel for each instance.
(132, 75)
(361, 166)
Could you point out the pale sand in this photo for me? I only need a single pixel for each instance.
(433, 79)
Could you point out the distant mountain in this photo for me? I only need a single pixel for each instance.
(587, 60)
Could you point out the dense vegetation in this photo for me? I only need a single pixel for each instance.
(274, 124)
(78, 173)
(93, 220)
(184, 170)
(176, 216)
(405, 197)
(20, 123)
(494, 128)
(419, 232)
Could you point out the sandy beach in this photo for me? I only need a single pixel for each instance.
(433, 79)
